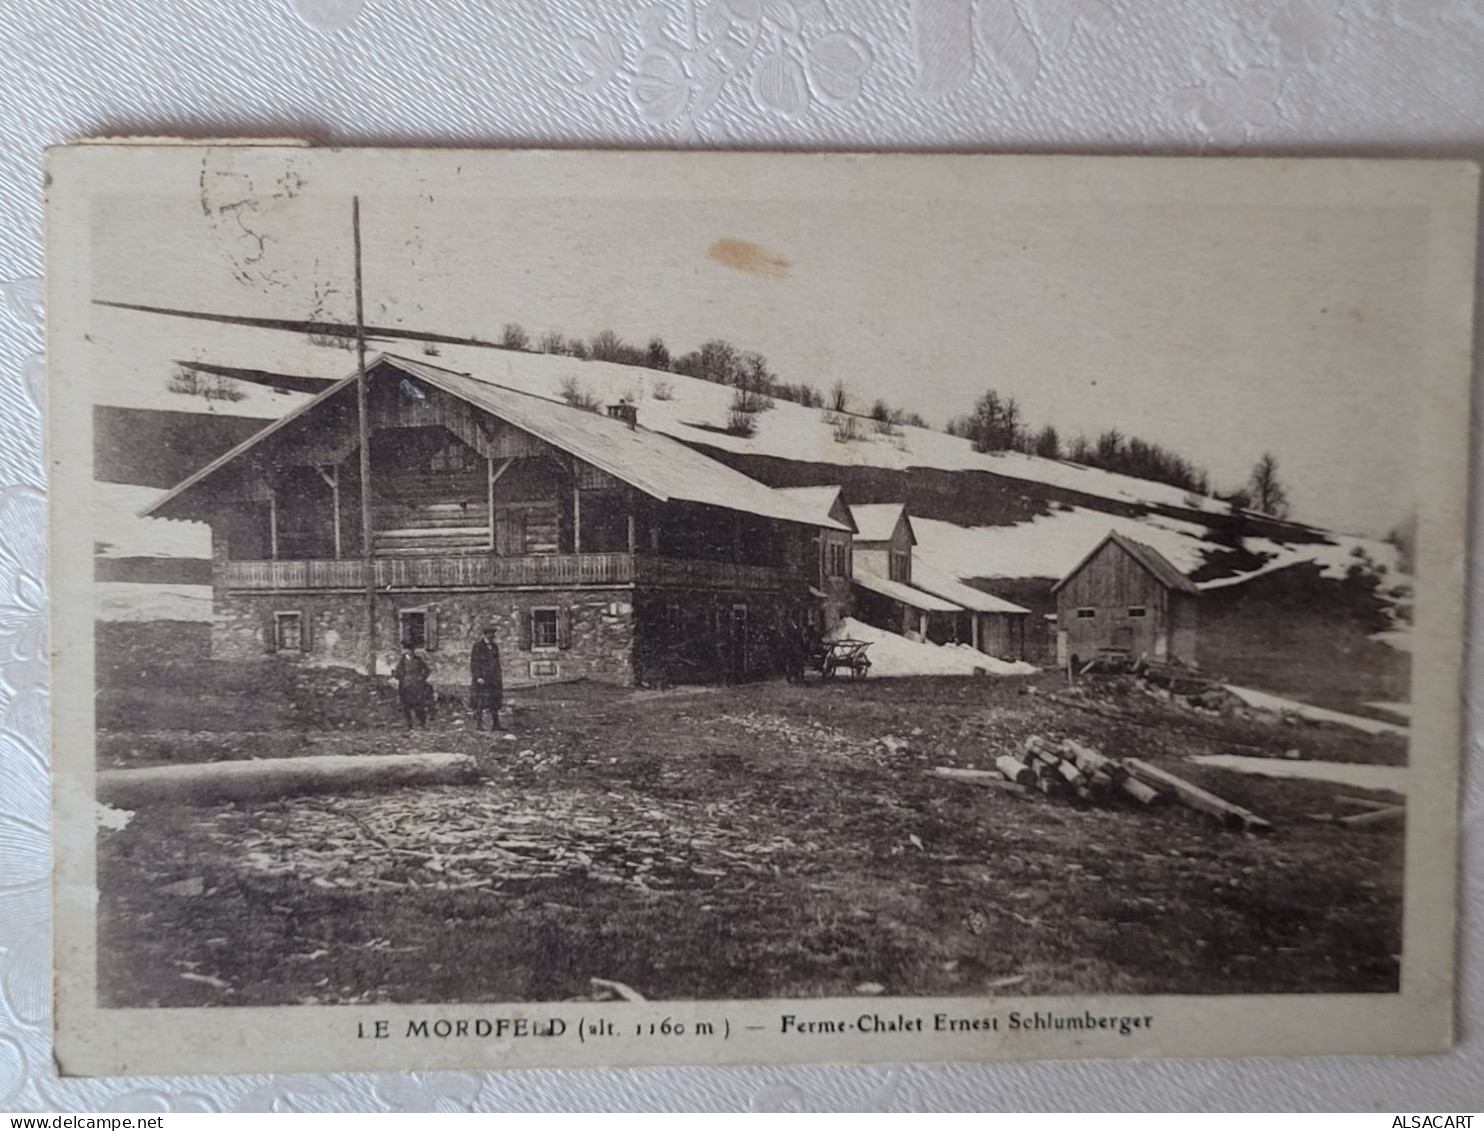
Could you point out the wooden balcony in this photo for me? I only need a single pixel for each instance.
(485, 571)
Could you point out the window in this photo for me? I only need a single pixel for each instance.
(900, 567)
(414, 629)
(418, 628)
(1137, 611)
(288, 632)
(1086, 614)
(543, 628)
(837, 559)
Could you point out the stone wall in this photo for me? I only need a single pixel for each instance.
(597, 631)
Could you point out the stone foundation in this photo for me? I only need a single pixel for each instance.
(596, 638)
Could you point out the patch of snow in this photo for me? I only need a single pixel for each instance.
(1266, 702)
(123, 534)
(894, 655)
(108, 817)
(139, 601)
(1392, 778)
(1400, 639)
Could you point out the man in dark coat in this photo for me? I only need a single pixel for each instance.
(414, 692)
(486, 681)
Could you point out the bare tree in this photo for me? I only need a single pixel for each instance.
(552, 342)
(576, 396)
(1048, 443)
(994, 425)
(513, 337)
(839, 397)
(657, 354)
(1268, 494)
(607, 346)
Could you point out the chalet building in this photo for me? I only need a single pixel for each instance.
(595, 546)
(1127, 596)
(828, 570)
(991, 624)
(882, 577)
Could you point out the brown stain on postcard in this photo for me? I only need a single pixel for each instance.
(744, 255)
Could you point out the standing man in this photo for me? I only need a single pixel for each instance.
(486, 682)
(414, 692)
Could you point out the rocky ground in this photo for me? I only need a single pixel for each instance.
(763, 840)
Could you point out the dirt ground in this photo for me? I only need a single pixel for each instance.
(754, 841)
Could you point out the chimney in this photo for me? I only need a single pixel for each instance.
(626, 411)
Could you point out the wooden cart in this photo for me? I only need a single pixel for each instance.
(846, 655)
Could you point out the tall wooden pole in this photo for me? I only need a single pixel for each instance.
(367, 556)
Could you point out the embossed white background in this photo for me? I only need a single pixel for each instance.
(1386, 77)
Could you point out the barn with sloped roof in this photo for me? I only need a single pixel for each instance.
(1126, 596)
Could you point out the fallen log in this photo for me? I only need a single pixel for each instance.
(1015, 770)
(1037, 749)
(1395, 815)
(1091, 761)
(262, 779)
(1069, 772)
(1099, 782)
(1197, 798)
(989, 778)
(1140, 792)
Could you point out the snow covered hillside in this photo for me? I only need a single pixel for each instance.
(1061, 510)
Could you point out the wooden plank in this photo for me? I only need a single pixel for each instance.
(1197, 798)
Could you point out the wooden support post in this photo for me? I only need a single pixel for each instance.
(363, 424)
(974, 629)
(273, 523)
(332, 479)
(576, 517)
(633, 533)
(494, 477)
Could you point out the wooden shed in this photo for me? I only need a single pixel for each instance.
(1125, 595)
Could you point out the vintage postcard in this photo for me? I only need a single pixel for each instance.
(528, 608)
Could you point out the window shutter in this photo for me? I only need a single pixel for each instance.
(564, 628)
(305, 620)
(527, 618)
(430, 628)
(270, 632)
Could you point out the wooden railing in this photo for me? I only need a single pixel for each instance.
(485, 571)
(654, 570)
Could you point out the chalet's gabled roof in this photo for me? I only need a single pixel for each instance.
(1151, 559)
(907, 594)
(824, 501)
(933, 580)
(659, 466)
(877, 522)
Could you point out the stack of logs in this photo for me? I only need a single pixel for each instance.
(1070, 767)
